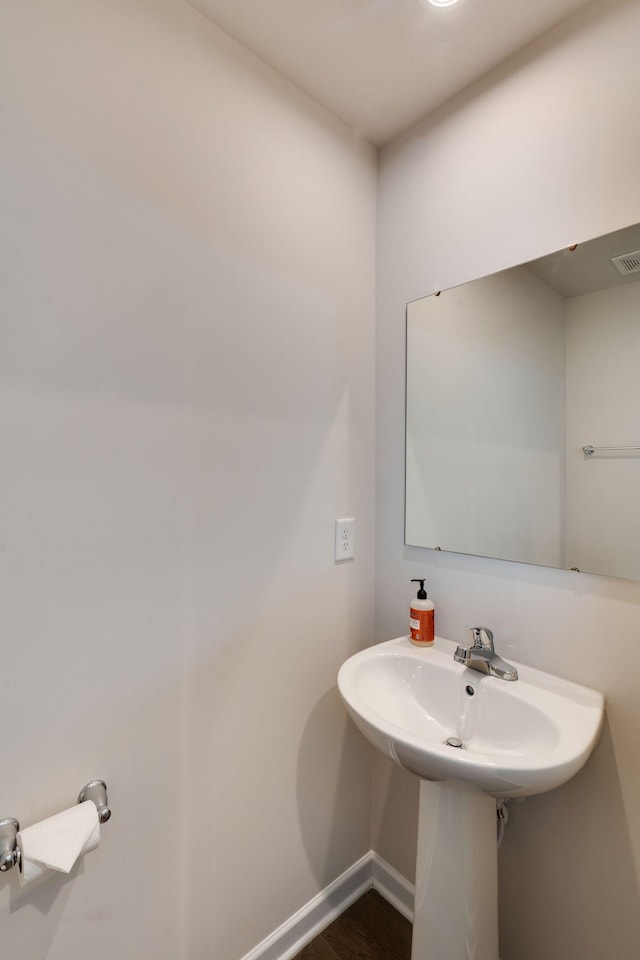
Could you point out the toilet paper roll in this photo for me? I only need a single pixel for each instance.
(58, 842)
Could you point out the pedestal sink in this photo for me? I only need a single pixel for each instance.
(471, 738)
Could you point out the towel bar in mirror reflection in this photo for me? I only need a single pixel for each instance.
(590, 450)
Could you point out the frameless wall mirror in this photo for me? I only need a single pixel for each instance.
(523, 412)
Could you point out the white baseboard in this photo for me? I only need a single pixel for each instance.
(371, 871)
(393, 886)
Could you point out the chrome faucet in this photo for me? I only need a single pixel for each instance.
(482, 657)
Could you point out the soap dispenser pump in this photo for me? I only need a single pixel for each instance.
(421, 618)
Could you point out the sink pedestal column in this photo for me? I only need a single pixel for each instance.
(456, 900)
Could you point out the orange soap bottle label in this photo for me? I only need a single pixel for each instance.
(422, 626)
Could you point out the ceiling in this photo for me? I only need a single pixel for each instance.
(381, 65)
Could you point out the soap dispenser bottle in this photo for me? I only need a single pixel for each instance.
(421, 618)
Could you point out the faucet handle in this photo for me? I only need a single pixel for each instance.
(482, 638)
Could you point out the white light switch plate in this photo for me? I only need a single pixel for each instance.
(345, 542)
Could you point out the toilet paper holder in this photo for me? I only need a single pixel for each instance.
(96, 791)
(8, 848)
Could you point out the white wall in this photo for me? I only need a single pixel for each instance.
(543, 152)
(485, 445)
(187, 404)
(603, 401)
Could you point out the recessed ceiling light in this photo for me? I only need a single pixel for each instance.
(442, 3)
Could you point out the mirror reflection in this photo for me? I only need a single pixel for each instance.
(523, 412)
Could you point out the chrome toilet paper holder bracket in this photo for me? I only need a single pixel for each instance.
(96, 791)
(9, 853)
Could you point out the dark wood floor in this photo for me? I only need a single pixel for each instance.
(371, 929)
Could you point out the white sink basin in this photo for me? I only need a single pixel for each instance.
(519, 738)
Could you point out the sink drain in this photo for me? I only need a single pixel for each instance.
(454, 742)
